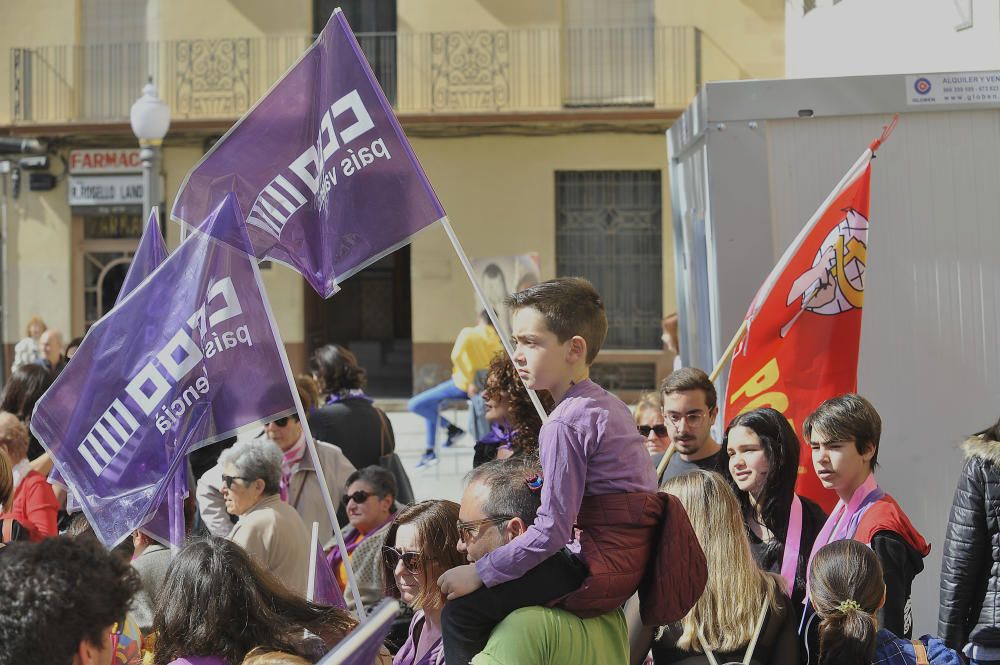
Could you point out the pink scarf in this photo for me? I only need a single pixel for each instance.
(793, 542)
(289, 460)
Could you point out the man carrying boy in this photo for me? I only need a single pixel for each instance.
(844, 433)
(589, 446)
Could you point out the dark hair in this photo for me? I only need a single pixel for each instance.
(991, 433)
(73, 344)
(80, 530)
(690, 378)
(217, 601)
(436, 525)
(26, 385)
(846, 588)
(781, 448)
(58, 593)
(380, 478)
(336, 369)
(847, 417)
(509, 493)
(503, 383)
(571, 306)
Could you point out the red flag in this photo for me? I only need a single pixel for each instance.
(803, 328)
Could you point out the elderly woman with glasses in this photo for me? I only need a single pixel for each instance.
(371, 504)
(420, 545)
(299, 483)
(269, 529)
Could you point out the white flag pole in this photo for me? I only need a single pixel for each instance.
(311, 445)
(313, 548)
(488, 307)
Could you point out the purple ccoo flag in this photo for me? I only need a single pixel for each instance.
(150, 253)
(322, 165)
(186, 359)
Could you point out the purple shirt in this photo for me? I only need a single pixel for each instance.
(407, 654)
(589, 446)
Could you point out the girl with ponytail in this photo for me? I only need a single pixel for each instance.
(846, 590)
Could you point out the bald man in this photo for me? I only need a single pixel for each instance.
(51, 343)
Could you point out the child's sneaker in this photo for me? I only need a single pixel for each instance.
(428, 460)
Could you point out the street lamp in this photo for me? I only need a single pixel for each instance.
(150, 121)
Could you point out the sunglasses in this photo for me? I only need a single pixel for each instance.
(468, 531)
(659, 430)
(228, 480)
(281, 422)
(411, 560)
(359, 497)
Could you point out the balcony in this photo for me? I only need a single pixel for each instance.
(445, 73)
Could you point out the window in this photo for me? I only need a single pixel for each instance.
(609, 50)
(374, 24)
(609, 230)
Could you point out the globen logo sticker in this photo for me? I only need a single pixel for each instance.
(835, 282)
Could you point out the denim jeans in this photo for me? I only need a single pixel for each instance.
(426, 404)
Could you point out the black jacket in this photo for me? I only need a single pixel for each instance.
(356, 427)
(769, 555)
(970, 567)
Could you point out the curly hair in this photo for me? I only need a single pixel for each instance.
(217, 601)
(64, 590)
(504, 385)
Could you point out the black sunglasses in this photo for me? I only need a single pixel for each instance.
(411, 560)
(359, 497)
(228, 480)
(280, 422)
(660, 430)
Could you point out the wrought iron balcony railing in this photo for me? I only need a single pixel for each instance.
(479, 71)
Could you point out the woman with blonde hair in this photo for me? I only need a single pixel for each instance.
(420, 545)
(743, 615)
(27, 350)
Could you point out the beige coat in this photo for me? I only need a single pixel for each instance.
(274, 534)
(304, 489)
(303, 492)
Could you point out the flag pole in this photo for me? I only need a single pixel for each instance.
(310, 445)
(504, 339)
(313, 549)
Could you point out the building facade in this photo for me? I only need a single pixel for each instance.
(539, 123)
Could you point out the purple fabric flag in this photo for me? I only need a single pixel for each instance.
(326, 589)
(361, 646)
(150, 253)
(186, 359)
(322, 165)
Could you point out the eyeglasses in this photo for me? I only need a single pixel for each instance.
(280, 422)
(468, 531)
(660, 430)
(359, 497)
(228, 480)
(411, 560)
(693, 418)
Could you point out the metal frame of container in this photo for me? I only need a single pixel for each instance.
(749, 163)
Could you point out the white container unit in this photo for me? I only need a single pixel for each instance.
(750, 161)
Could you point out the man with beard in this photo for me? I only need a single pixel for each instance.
(689, 410)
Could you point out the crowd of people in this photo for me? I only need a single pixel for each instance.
(601, 535)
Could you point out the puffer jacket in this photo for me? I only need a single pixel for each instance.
(970, 567)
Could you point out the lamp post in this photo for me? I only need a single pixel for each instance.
(150, 118)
